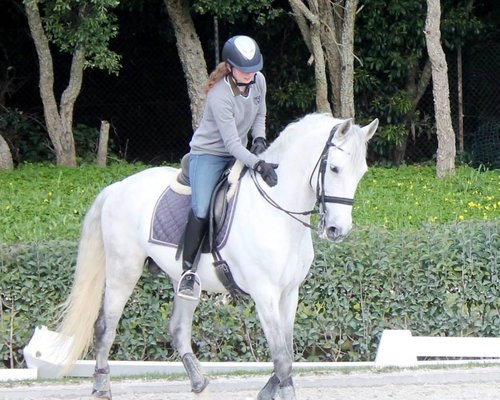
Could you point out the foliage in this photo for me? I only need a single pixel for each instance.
(27, 139)
(41, 201)
(30, 143)
(72, 23)
(424, 256)
(436, 280)
(33, 279)
(234, 11)
(391, 48)
(410, 196)
(87, 142)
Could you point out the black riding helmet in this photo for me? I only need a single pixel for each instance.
(243, 53)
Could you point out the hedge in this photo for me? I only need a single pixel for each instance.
(437, 280)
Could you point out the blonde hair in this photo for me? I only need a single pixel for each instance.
(217, 74)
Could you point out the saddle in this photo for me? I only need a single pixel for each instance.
(223, 192)
(217, 218)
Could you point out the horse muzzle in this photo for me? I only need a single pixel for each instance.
(334, 234)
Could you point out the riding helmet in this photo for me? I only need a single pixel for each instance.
(243, 53)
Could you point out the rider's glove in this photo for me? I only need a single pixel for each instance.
(258, 146)
(266, 170)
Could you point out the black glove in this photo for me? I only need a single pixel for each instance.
(258, 146)
(266, 170)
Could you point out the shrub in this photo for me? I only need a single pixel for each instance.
(437, 280)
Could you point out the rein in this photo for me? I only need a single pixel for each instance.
(321, 196)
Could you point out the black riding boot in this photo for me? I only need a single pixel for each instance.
(193, 237)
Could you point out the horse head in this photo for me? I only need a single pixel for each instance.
(341, 167)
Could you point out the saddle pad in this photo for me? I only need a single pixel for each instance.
(170, 216)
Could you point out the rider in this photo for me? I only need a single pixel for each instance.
(235, 105)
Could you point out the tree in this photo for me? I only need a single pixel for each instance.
(190, 54)
(189, 45)
(395, 69)
(5, 155)
(446, 137)
(328, 31)
(82, 29)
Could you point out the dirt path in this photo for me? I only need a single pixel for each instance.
(479, 383)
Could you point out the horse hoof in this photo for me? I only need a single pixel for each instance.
(200, 385)
(287, 390)
(101, 394)
(102, 384)
(193, 368)
(269, 391)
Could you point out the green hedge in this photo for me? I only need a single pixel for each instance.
(438, 280)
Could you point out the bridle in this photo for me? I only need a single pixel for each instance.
(321, 197)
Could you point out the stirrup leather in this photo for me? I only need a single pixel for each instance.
(196, 283)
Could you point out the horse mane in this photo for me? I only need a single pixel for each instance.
(308, 125)
(317, 124)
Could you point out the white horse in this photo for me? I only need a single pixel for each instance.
(269, 249)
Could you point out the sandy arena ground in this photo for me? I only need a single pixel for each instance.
(473, 383)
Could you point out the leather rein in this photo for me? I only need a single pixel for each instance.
(321, 197)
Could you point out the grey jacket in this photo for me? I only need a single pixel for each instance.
(228, 118)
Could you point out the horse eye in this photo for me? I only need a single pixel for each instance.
(334, 169)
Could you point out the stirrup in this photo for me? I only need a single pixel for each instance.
(195, 296)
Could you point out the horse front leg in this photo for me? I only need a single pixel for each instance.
(180, 328)
(288, 310)
(277, 323)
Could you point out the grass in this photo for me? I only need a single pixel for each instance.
(410, 196)
(39, 202)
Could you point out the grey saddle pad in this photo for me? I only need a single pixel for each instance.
(170, 217)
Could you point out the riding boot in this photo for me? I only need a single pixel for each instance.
(193, 238)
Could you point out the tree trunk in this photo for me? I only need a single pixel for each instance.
(328, 30)
(347, 57)
(309, 22)
(331, 13)
(5, 155)
(191, 55)
(59, 126)
(446, 137)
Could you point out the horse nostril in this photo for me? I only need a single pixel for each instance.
(331, 232)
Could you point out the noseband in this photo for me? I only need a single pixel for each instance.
(321, 197)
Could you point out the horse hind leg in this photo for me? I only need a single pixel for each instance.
(118, 291)
(180, 328)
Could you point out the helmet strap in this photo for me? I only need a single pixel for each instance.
(238, 83)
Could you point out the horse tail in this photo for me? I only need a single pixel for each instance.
(81, 309)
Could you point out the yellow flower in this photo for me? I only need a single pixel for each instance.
(461, 217)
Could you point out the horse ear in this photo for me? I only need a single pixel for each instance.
(342, 129)
(370, 129)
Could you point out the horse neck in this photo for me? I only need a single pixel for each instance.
(295, 189)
